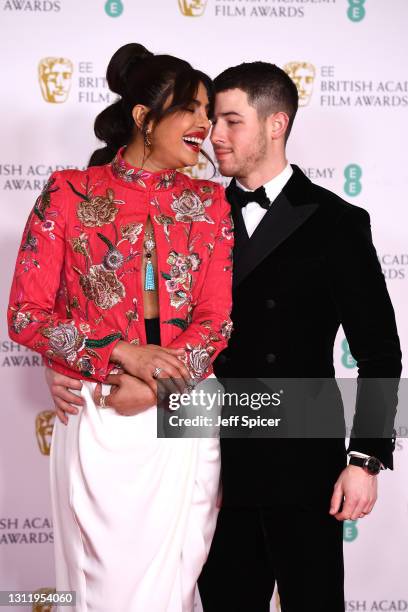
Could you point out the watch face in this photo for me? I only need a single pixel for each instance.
(373, 465)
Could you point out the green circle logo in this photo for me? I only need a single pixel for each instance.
(356, 11)
(353, 174)
(350, 531)
(114, 8)
(347, 358)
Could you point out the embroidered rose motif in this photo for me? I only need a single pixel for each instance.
(102, 287)
(189, 207)
(131, 231)
(172, 285)
(199, 361)
(65, 341)
(20, 320)
(99, 210)
(113, 260)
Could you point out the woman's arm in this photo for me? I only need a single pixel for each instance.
(77, 346)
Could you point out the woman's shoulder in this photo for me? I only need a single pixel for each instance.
(69, 174)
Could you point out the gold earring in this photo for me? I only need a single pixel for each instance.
(147, 141)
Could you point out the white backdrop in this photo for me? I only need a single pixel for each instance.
(350, 136)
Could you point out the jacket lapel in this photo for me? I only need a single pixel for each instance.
(287, 213)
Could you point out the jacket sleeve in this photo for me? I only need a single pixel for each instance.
(211, 326)
(368, 320)
(71, 347)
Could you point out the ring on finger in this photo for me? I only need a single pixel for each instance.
(156, 372)
(102, 401)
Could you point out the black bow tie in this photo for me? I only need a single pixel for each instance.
(242, 198)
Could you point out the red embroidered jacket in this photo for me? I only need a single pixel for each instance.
(77, 284)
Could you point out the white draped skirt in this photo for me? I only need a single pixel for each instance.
(133, 515)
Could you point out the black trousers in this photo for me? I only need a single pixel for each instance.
(298, 547)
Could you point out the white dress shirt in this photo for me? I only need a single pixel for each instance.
(252, 213)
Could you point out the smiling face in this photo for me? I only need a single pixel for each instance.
(239, 136)
(176, 140)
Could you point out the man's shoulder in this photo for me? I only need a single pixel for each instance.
(333, 206)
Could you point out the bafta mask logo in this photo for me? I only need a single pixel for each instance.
(277, 602)
(44, 607)
(303, 75)
(192, 8)
(55, 76)
(44, 424)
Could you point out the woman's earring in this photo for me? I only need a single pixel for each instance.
(147, 141)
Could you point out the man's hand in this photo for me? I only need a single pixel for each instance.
(128, 395)
(359, 490)
(59, 386)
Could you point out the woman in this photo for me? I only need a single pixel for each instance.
(115, 261)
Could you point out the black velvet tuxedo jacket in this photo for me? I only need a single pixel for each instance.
(309, 267)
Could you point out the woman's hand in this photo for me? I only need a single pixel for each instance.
(141, 362)
(59, 386)
(128, 395)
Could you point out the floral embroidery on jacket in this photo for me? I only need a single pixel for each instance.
(96, 211)
(189, 207)
(179, 280)
(44, 199)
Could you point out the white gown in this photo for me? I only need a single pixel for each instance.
(134, 515)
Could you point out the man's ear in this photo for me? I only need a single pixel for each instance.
(139, 113)
(278, 124)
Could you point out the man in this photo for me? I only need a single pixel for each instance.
(304, 264)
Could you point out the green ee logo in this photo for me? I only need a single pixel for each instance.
(350, 531)
(114, 8)
(347, 358)
(356, 11)
(352, 174)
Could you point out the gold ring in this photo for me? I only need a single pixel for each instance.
(102, 402)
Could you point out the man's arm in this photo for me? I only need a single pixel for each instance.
(366, 313)
(368, 319)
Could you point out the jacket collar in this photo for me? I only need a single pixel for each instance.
(293, 206)
(139, 177)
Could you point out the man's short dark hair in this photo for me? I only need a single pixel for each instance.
(268, 87)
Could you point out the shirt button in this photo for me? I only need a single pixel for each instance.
(270, 358)
(270, 304)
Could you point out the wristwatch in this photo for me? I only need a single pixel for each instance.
(371, 465)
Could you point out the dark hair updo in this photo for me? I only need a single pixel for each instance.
(139, 77)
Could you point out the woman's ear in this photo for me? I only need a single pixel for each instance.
(139, 113)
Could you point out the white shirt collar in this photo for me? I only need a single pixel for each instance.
(275, 185)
